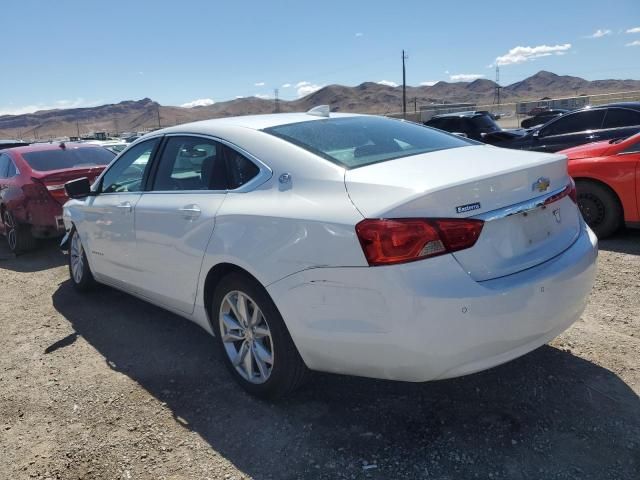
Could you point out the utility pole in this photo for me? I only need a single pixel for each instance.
(277, 101)
(404, 87)
(496, 93)
(158, 112)
(78, 129)
(115, 124)
(415, 104)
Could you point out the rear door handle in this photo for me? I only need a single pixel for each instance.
(190, 211)
(126, 206)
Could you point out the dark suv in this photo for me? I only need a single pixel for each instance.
(475, 125)
(590, 124)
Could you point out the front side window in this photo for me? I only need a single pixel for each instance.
(353, 142)
(620, 117)
(575, 122)
(128, 172)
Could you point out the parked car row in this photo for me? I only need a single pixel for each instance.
(333, 242)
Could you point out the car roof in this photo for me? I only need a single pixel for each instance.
(43, 147)
(468, 114)
(253, 122)
(631, 105)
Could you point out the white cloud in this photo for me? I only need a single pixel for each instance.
(239, 96)
(305, 88)
(634, 30)
(635, 43)
(286, 85)
(262, 95)
(447, 72)
(523, 54)
(58, 104)
(388, 83)
(429, 83)
(259, 84)
(200, 102)
(600, 33)
(359, 34)
(465, 77)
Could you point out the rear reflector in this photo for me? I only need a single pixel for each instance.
(389, 241)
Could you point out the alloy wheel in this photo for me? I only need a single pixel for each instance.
(10, 230)
(76, 259)
(246, 337)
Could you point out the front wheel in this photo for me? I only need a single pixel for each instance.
(79, 270)
(255, 343)
(19, 237)
(600, 208)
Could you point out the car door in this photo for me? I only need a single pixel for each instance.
(175, 218)
(569, 131)
(107, 228)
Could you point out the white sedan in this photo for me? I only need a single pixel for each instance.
(342, 243)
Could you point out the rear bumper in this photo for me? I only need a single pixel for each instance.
(429, 320)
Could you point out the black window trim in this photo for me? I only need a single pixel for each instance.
(264, 173)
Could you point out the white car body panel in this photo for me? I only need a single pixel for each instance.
(434, 318)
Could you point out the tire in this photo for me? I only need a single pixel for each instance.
(19, 237)
(79, 270)
(600, 208)
(267, 363)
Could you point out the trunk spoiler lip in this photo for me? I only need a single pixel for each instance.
(526, 205)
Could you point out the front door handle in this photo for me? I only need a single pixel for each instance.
(126, 206)
(190, 211)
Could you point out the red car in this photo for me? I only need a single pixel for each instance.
(607, 176)
(32, 191)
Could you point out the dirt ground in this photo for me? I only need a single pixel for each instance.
(106, 386)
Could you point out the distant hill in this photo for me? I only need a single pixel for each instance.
(368, 97)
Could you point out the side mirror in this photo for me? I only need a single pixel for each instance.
(78, 188)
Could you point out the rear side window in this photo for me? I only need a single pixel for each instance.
(576, 122)
(4, 166)
(620, 117)
(69, 157)
(240, 169)
(357, 141)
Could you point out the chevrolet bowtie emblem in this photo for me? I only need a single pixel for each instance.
(541, 185)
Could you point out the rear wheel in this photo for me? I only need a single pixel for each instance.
(19, 237)
(254, 341)
(600, 208)
(79, 270)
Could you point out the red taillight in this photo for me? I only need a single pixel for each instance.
(388, 241)
(568, 191)
(50, 189)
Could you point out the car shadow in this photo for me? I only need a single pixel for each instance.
(549, 408)
(47, 255)
(625, 241)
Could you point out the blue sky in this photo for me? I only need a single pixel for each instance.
(69, 53)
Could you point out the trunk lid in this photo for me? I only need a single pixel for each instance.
(480, 182)
(54, 180)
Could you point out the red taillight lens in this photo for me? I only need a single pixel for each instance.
(388, 241)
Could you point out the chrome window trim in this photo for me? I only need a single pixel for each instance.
(522, 207)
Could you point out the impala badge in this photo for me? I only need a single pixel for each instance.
(556, 213)
(541, 185)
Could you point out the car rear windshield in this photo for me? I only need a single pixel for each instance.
(357, 141)
(69, 157)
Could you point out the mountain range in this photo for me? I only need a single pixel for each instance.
(368, 97)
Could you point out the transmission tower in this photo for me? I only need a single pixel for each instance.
(496, 94)
(404, 86)
(277, 101)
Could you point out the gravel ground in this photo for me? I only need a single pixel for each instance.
(106, 386)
